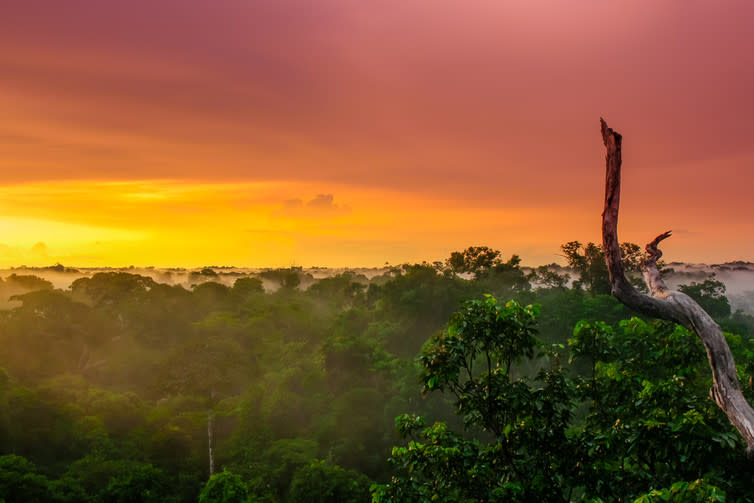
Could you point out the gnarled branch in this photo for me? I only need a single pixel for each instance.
(667, 304)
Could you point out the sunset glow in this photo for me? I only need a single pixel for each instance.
(341, 133)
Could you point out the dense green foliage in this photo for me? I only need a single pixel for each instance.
(224, 487)
(638, 424)
(111, 390)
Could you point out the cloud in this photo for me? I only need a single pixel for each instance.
(39, 249)
(322, 201)
(321, 206)
(293, 203)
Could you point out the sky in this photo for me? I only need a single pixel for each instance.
(272, 133)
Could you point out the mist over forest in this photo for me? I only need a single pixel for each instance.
(356, 385)
(737, 276)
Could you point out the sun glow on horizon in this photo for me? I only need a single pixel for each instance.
(265, 224)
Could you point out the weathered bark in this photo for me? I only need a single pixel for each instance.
(211, 440)
(670, 305)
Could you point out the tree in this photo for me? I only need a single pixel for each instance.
(710, 295)
(637, 420)
(518, 450)
(588, 261)
(20, 481)
(224, 487)
(649, 423)
(480, 261)
(206, 365)
(323, 482)
(111, 288)
(247, 287)
(61, 333)
(667, 304)
(420, 301)
(288, 279)
(211, 296)
(138, 483)
(698, 491)
(346, 289)
(476, 260)
(546, 276)
(27, 282)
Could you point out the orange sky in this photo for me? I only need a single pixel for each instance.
(282, 132)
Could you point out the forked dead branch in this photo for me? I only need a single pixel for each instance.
(670, 305)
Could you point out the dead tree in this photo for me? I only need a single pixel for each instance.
(670, 305)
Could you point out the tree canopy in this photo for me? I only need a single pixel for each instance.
(111, 390)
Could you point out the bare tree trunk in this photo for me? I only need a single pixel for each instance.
(211, 440)
(670, 305)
